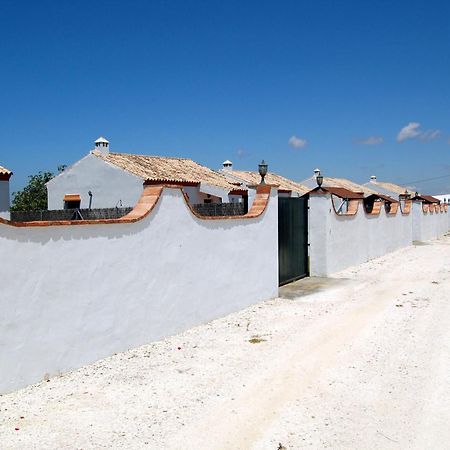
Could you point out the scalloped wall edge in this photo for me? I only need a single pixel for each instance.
(393, 210)
(147, 202)
(354, 206)
(407, 208)
(376, 209)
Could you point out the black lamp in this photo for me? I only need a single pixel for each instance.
(319, 180)
(262, 168)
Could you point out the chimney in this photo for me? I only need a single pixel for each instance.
(316, 172)
(102, 145)
(373, 178)
(227, 165)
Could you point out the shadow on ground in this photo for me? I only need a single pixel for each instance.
(419, 243)
(310, 285)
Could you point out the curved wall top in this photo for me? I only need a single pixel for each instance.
(147, 202)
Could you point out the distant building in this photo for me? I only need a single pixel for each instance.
(311, 183)
(249, 179)
(400, 192)
(5, 175)
(426, 198)
(116, 179)
(391, 189)
(443, 198)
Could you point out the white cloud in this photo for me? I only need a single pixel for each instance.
(296, 142)
(412, 131)
(371, 140)
(430, 135)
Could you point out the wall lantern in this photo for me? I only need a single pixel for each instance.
(262, 168)
(319, 180)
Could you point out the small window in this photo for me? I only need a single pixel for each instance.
(207, 200)
(72, 201)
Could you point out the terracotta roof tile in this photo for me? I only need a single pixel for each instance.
(392, 187)
(253, 178)
(165, 169)
(5, 171)
(347, 184)
(340, 182)
(149, 198)
(72, 198)
(384, 197)
(427, 198)
(340, 192)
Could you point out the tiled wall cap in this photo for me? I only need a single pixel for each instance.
(147, 202)
(393, 210)
(352, 209)
(376, 208)
(258, 207)
(406, 208)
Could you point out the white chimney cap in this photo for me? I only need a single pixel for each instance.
(101, 140)
(316, 171)
(227, 165)
(102, 145)
(373, 178)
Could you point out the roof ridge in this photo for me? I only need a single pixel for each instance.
(166, 168)
(268, 173)
(248, 177)
(148, 156)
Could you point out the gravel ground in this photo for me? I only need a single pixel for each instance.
(361, 360)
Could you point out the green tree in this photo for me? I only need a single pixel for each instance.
(33, 197)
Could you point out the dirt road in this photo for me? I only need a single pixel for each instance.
(361, 360)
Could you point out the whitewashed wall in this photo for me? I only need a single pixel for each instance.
(428, 225)
(337, 242)
(196, 197)
(4, 198)
(74, 294)
(110, 185)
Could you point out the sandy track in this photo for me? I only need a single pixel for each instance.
(363, 362)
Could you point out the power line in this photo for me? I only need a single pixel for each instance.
(426, 179)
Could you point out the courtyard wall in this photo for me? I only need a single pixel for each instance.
(339, 241)
(74, 293)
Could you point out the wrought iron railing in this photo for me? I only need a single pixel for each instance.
(220, 209)
(69, 214)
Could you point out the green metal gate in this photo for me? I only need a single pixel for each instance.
(292, 239)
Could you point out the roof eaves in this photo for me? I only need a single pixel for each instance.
(338, 191)
(427, 198)
(383, 197)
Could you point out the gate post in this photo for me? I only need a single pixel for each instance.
(319, 233)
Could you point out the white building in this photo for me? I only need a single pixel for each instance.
(397, 191)
(5, 175)
(311, 183)
(103, 179)
(443, 198)
(391, 189)
(249, 179)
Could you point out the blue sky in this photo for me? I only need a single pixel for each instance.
(302, 84)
